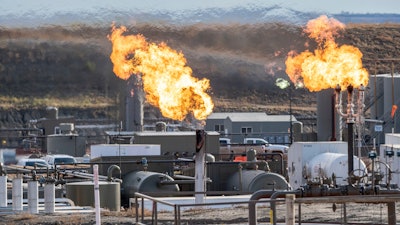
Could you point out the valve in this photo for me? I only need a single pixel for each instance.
(144, 163)
(389, 153)
(372, 154)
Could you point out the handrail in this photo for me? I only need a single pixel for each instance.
(272, 196)
(266, 194)
(176, 207)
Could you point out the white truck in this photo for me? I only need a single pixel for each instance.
(268, 147)
(59, 160)
(260, 145)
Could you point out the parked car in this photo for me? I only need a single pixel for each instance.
(33, 162)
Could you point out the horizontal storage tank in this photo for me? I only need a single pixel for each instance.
(300, 153)
(146, 182)
(254, 180)
(82, 194)
(326, 164)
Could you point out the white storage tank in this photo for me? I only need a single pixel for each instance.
(300, 153)
(326, 164)
(392, 139)
(102, 150)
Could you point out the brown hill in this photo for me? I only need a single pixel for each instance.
(69, 67)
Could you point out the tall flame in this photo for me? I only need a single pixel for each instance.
(167, 81)
(329, 65)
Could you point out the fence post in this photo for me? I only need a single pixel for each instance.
(290, 217)
(391, 213)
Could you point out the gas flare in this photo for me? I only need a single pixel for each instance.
(167, 81)
(329, 65)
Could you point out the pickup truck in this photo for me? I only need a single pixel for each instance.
(260, 145)
(268, 147)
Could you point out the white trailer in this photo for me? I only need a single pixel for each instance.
(309, 159)
(97, 151)
(392, 138)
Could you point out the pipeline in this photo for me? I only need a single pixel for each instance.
(266, 194)
(87, 175)
(110, 171)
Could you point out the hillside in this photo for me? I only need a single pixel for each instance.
(69, 67)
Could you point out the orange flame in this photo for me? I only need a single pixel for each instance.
(167, 81)
(394, 108)
(329, 65)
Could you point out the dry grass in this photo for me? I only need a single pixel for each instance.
(129, 212)
(79, 101)
(25, 216)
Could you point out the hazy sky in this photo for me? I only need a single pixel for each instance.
(332, 6)
(37, 12)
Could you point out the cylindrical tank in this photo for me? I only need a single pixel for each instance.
(82, 194)
(326, 164)
(146, 181)
(254, 180)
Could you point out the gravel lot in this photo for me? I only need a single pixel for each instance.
(236, 214)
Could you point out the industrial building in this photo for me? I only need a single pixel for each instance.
(276, 129)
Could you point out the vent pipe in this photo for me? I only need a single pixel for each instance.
(134, 104)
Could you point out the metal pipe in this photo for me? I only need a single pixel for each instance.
(360, 120)
(172, 182)
(110, 171)
(177, 211)
(183, 177)
(252, 204)
(273, 203)
(87, 175)
(333, 121)
(338, 107)
(350, 152)
(266, 194)
(240, 177)
(350, 131)
(136, 209)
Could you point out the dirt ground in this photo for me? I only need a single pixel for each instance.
(356, 213)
